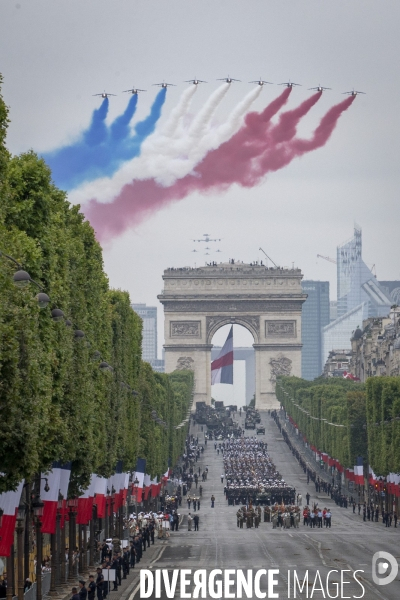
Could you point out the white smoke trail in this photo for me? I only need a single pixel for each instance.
(178, 166)
(169, 158)
(159, 152)
(204, 116)
(177, 113)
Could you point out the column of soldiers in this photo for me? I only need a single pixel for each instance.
(251, 476)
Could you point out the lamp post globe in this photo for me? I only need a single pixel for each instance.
(42, 299)
(57, 314)
(21, 278)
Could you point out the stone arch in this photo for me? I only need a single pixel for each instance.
(266, 301)
(252, 324)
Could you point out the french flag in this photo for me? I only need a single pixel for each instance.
(124, 490)
(359, 471)
(65, 476)
(146, 484)
(100, 489)
(50, 497)
(119, 478)
(85, 503)
(9, 502)
(139, 475)
(155, 488)
(222, 367)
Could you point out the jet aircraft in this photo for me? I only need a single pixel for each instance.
(260, 82)
(104, 95)
(354, 93)
(320, 88)
(228, 79)
(195, 81)
(134, 91)
(163, 84)
(289, 84)
(207, 239)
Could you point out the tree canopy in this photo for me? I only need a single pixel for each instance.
(55, 402)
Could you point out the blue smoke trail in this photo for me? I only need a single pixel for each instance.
(97, 131)
(101, 150)
(120, 127)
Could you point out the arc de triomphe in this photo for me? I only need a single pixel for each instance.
(267, 301)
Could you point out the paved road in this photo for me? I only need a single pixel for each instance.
(219, 544)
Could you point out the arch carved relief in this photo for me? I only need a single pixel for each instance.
(251, 323)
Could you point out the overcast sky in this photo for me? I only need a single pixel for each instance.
(56, 54)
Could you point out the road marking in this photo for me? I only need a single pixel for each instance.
(150, 567)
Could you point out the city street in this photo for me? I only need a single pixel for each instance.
(220, 544)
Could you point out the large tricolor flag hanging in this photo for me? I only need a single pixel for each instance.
(9, 502)
(49, 491)
(85, 503)
(100, 489)
(139, 475)
(65, 476)
(359, 471)
(222, 367)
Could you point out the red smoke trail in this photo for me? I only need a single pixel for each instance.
(276, 158)
(288, 121)
(217, 170)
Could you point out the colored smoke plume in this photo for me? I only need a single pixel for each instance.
(119, 129)
(167, 159)
(101, 150)
(141, 198)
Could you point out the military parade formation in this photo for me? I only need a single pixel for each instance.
(251, 476)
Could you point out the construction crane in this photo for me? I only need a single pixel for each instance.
(328, 258)
(268, 258)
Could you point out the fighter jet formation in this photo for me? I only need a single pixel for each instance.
(206, 238)
(261, 82)
(320, 88)
(164, 85)
(354, 93)
(195, 81)
(289, 84)
(104, 94)
(228, 79)
(134, 91)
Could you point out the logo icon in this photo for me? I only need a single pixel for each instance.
(384, 564)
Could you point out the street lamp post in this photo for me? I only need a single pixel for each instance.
(20, 550)
(63, 570)
(135, 488)
(106, 518)
(112, 530)
(72, 504)
(91, 536)
(58, 551)
(37, 506)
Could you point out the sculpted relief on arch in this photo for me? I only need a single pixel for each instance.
(252, 323)
(280, 365)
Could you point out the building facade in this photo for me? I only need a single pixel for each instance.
(338, 363)
(375, 349)
(148, 314)
(314, 316)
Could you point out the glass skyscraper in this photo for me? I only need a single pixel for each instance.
(315, 315)
(148, 314)
(359, 296)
